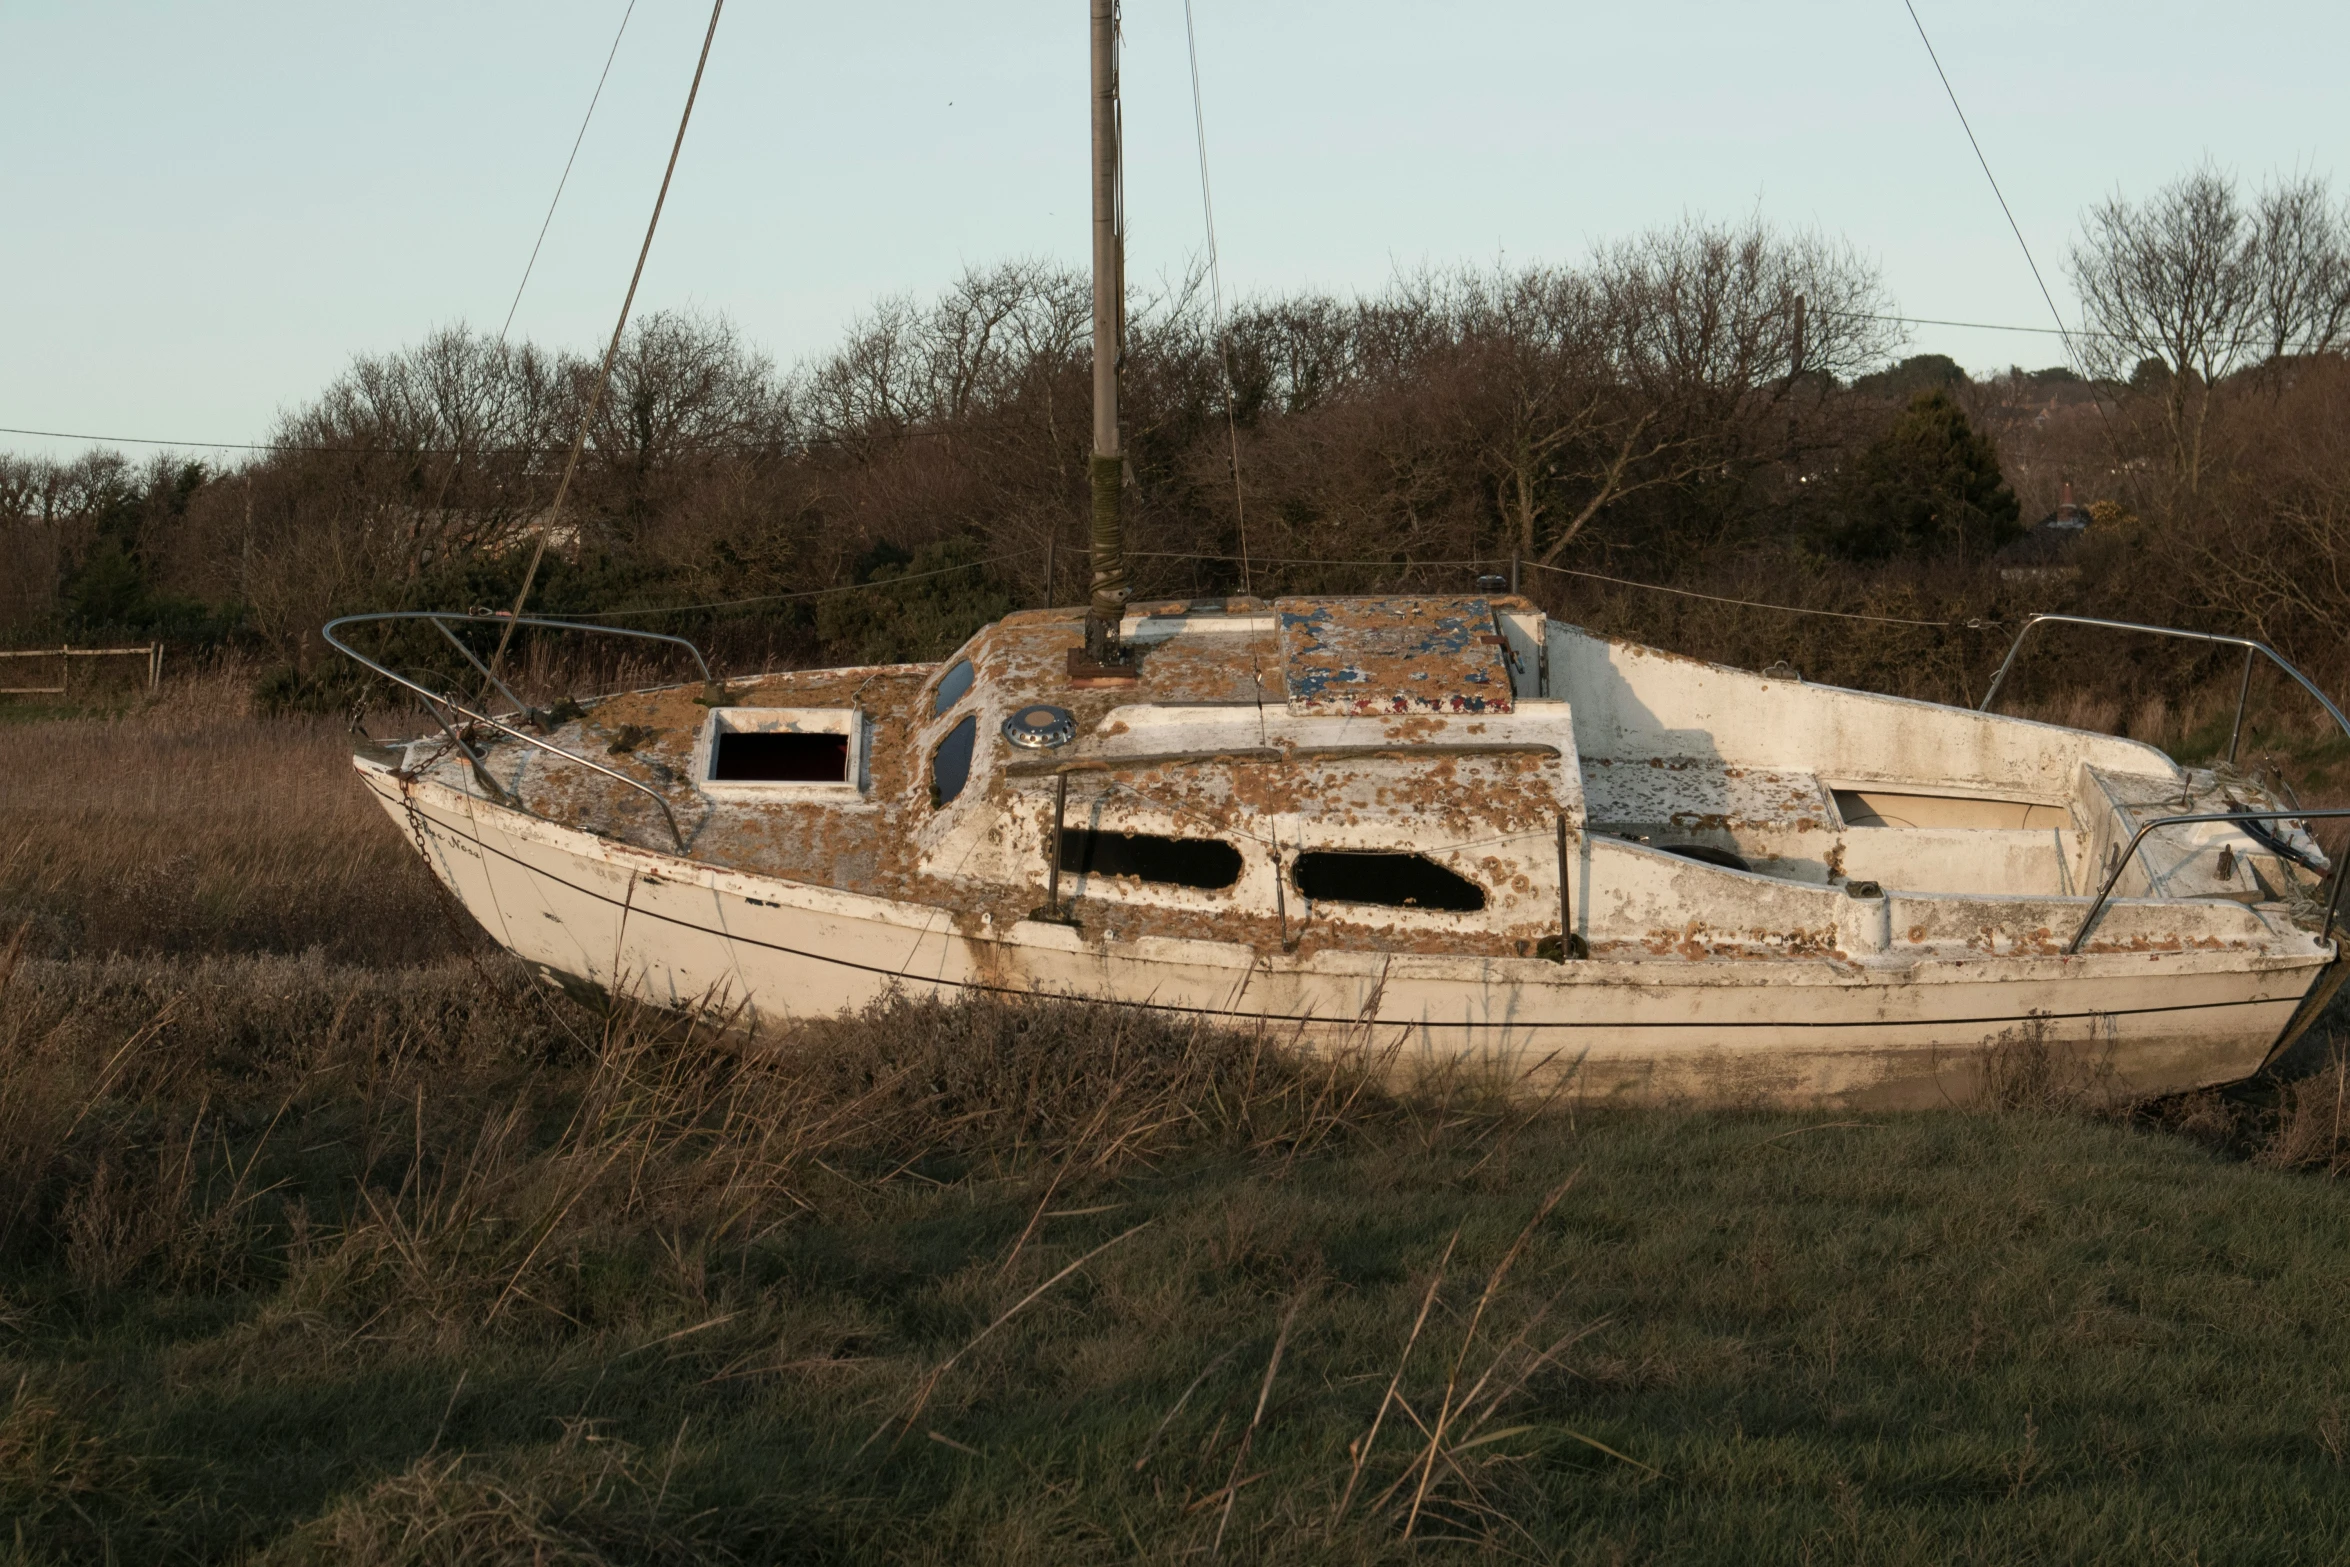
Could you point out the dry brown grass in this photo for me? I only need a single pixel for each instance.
(189, 825)
(585, 1500)
(458, 1102)
(2313, 1121)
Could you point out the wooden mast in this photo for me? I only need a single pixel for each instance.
(1107, 604)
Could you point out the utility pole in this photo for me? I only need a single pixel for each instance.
(1107, 605)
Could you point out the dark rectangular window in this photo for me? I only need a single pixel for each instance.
(1180, 862)
(780, 757)
(1398, 881)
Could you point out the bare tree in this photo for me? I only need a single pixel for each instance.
(2302, 268)
(430, 451)
(2195, 283)
(1558, 431)
(1729, 338)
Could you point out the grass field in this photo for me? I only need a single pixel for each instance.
(326, 1236)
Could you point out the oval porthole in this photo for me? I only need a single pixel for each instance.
(950, 764)
(951, 686)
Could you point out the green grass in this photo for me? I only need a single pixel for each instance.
(443, 1283)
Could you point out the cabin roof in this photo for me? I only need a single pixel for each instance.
(1366, 656)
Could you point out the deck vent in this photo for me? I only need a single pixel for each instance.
(1207, 863)
(1041, 727)
(1393, 880)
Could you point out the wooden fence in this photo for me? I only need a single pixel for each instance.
(152, 653)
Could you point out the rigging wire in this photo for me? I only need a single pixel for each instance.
(2001, 196)
(2071, 353)
(449, 475)
(1199, 126)
(611, 353)
(548, 222)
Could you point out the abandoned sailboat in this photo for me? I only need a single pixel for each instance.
(1376, 819)
(1449, 823)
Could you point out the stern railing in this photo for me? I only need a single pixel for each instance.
(2253, 650)
(452, 714)
(2097, 904)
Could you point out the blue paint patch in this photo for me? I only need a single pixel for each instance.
(1393, 656)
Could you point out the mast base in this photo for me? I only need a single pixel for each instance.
(1087, 672)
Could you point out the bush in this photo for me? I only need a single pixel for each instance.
(1930, 485)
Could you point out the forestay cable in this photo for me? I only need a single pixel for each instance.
(604, 381)
(548, 222)
(457, 453)
(1199, 125)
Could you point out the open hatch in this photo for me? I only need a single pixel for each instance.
(780, 753)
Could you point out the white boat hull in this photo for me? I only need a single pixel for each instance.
(1923, 1032)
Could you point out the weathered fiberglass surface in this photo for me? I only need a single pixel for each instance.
(1250, 762)
(1601, 799)
(1306, 725)
(1393, 655)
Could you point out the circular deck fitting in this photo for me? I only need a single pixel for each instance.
(1040, 728)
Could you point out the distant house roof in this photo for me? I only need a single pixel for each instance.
(2049, 544)
(2046, 551)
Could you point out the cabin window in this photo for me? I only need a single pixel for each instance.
(951, 687)
(1181, 862)
(950, 764)
(1393, 880)
(780, 758)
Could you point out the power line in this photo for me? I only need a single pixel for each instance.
(155, 440)
(395, 450)
(1976, 326)
(302, 448)
(1716, 598)
(1569, 571)
(805, 593)
(1177, 555)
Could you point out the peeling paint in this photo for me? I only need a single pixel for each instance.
(1390, 725)
(1397, 655)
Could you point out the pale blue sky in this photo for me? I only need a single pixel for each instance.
(206, 210)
